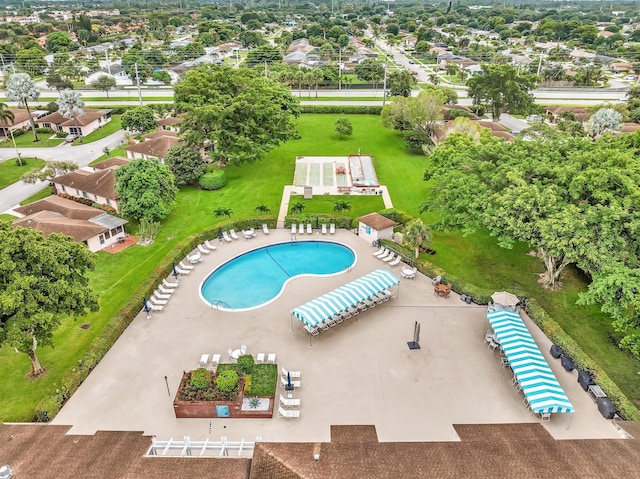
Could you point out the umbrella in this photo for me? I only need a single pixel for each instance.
(317, 223)
(289, 385)
(504, 298)
(145, 305)
(220, 232)
(175, 273)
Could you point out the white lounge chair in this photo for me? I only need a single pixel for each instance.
(288, 413)
(296, 384)
(230, 351)
(182, 271)
(243, 349)
(157, 302)
(204, 359)
(301, 229)
(380, 251)
(234, 235)
(203, 250)
(324, 228)
(210, 246)
(160, 295)
(294, 228)
(293, 374)
(385, 255)
(309, 229)
(215, 359)
(271, 358)
(260, 358)
(170, 284)
(389, 258)
(164, 290)
(185, 266)
(332, 228)
(154, 307)
(286, 402)
(265, 228)
(225, 235)
(396, 261)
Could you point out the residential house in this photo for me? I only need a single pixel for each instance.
(580, 112)
(409, 42)
(156, 146)
(170, 123)
(83, 223)
(86, 124)
(20, 120)
(97, 184)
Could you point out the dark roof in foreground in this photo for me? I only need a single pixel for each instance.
(484, 451)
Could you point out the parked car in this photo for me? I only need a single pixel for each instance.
(630, 77)
(534, 119)
(70, 138)
(414, 72)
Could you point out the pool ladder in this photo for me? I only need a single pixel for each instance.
(217, 303)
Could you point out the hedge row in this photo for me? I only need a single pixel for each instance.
(350, 109)
(345, 222)
(548, 325)
(50, 405)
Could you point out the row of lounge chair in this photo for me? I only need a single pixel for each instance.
(381, 297)
(299, 228)
(388, 256)
(270, 358)
(161, 295)
(204, 361)
(231, 235)
(288, 405)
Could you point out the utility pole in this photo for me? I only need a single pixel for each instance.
(384, 86)
(340, 69)
(138, 83)
(540, 63)
(106, 54)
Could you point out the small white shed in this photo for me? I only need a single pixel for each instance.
(374, 227)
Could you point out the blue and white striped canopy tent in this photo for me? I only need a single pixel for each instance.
(535, 378)
(328, 305)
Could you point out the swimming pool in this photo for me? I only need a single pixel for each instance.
(256, 278)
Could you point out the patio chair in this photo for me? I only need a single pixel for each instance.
(386, 254)
(389, 258)
(185, 266)
(182, 271)
(293, 374)
(160, 295)
(380, 251)
(301, 229)
(296, 384)
(396, 261)
(243, 349)
(311, 331)
(157, 302)
(203, 250)
(260, 358)
(233, 234)
(265, 228)
(164, 290)
(154, 307)
(230, 351)
(294, 228)
(493, 345)
(332, 228)
(309, 229)
(324, 228)
(204, 359)
(271, 358)
(170, 284)
(211, 247)
(288, 413)
(215, 360)
(225, 235)
(286, 402)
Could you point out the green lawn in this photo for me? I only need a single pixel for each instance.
(324, 204)
(10, 172)
(111, 127)
(475, 258)
(43, 193)
(26, 141)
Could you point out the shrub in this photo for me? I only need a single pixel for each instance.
(349, 109)
(227, 380)
(415, 139)
(200, 379)
(44, 130)
(455, 113)
(61, 134)
(247, 384)
(245, 363)
(478, 109)
(213, 180)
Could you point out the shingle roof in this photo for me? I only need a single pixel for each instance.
(88, 117)
(63, 206)
(377, 221)
(155, 147)
(112, 162)
(50, 222)
(160, 134)
(19, 115)
(101, 182)
(170, 120)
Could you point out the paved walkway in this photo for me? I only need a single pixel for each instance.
(359, 372)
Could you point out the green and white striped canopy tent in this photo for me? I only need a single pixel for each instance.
(323, 308)
(537, 382)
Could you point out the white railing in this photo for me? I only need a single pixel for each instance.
(207, 448)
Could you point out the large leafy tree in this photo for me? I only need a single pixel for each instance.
(503, 89)
(70, 106)
(400, 83)
(146, 189)
(42, 280)
(605, 120)
(186, 164)
(104, 83)
(52, 169)
(21, 88)
(235, 113)
(139, 118)
(370, 70)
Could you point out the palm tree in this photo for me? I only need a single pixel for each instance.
(297, 207)
(417, 235)
(222, 211)
(264, 209)
(7, 117)
(341, 205)
(70, 106)
(21, 88)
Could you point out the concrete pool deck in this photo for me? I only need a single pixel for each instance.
(359, 372)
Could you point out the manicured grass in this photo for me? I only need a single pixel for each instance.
(323, 204)
(10, 172)
(43, 193)
(475, 258)
(26, 140)
(6, 218)
(111, 127)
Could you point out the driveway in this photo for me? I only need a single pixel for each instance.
(514, 124)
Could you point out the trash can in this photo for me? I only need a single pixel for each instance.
(567, 363)
(585, 379)
(606, 408)
(556, 352)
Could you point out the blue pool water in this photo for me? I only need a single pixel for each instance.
(259, 276)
